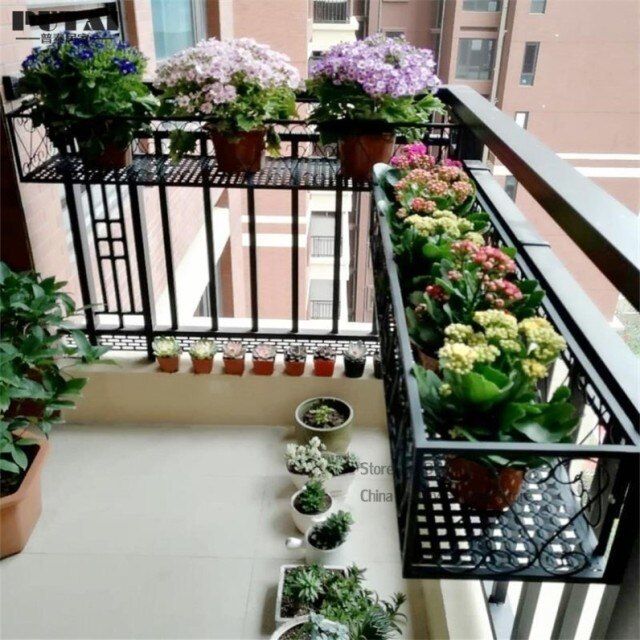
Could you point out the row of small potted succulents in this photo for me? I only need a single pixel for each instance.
(88, 90)
(35, 386)
(327, 597)
(167, 350)
(482, 347)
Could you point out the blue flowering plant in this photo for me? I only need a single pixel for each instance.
(86, 87)
(373, 84)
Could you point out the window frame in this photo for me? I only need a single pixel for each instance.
(476, 10)
(537, 3)
(479, 70)
(528, 78)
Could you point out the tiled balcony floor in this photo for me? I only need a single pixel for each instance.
(178, 532)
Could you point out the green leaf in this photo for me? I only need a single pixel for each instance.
(476, 389)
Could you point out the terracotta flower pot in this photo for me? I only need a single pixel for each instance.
(234, 366)
(19, 511)
(294, 367)
(202, 365)
(359, 152)
(323, 367)
(481, 487)
(113, 157)
(168, 364)
(243, 151)
(263, 367)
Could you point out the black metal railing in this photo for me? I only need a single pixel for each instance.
(331, 11)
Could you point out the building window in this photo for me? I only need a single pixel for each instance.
(522, 118)
(174, 26)
(482, 5)
(320, 299)
(529, 63)
(538, 6)
(475, 58)
(510, 187)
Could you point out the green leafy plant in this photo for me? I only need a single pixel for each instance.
(323, 416)
(89, 87)
(332, 532)
(313, 499)
(166, 347)
(35, 338)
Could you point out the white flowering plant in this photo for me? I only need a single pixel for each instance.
(488, 387)
(236, 85)
(312, 459)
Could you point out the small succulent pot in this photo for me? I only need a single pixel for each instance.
(202, 353)
(264, 357)
(313, 555)
(377, 366)
(355, 358)
(167, 350)
(295, 359)
(324, 361)
(303, 520)
(233, 354)
(481, 487)
(330, 419)
(239, 151)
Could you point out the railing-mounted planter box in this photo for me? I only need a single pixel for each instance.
(561, 519)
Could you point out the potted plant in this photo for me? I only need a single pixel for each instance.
(237, 86)
(295, 358)
(329, 419)
(233, 357)
(324, 361)
(363, 89)
(312, 627)
(355, 357)
(324, 542)
(34, 313)
(340, 594)
(202, 353)
(490, 370)
(264, 357)
(167, 351)
(312, 460)
(310, 505)
(89, 88)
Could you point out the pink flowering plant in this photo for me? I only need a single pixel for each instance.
(375, 82)
(473, 278)
(236, 85)
(487, 389)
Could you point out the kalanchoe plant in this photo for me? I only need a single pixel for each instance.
(380, 80)
(264, 351)
(488, 386)
(313, 499)
(36, 334)
(233, 350)
(333, 532)
(166, 347)
(85, 86)
(203, 349)
(237, 85)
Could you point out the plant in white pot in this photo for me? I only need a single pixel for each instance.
(310, 505)
(324, 543)
(312, 460)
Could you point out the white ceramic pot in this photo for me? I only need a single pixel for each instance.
(278, 633)
(335, 486)
(323, 557)
(304, 521)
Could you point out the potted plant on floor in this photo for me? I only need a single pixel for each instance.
(264, 357)
(35, 337)
(355, 357)
(363, 89)
(85, 89)
(202, 353)
(310, 505)
(295, 358)
(329, 419)
(312, 627)
(237, 86)
(490, 371)
(233, 353)
(324, 543)
(324, 361)
(167, 351)
(312, 460)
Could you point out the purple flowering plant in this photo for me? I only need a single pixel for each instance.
(236, 85)
(80, 82)
(378, 81)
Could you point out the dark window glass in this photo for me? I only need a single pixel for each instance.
(510, 187)
(475, 58)
(482, 5)
(538, 6)
(529, 62)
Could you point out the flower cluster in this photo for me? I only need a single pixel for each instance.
(314, 460)
(446, 224)
(543, 343)
(380, 66)
(412, 156)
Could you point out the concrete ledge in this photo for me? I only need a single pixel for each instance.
(135, 391)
